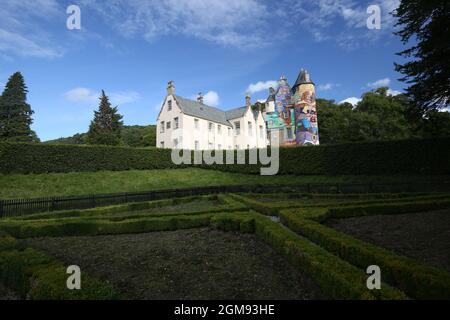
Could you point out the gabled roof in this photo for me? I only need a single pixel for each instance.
(236, 113)
(200, 110)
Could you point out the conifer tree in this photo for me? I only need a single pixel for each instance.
(106, 127)
(15, 112)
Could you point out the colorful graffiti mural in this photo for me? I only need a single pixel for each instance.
(293, 113)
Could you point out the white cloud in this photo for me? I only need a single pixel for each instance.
(19, 45)
(261, 86)
(86, 95)
(323, 20)
(379, 83)
(393, 92)
(352, 100)
(81, 95)
(236, 23)
(20, 31)
(327, 86)
(211, 99)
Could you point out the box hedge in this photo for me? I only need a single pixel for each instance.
(414, 278)
(428, 156)
(337, 278)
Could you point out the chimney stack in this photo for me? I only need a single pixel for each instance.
(170, 88)
(200, 98)
(248, 101)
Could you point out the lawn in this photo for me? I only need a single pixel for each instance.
(81, 183)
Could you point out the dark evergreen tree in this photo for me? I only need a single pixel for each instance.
(427, 72)
(15, 112)
(107, 124)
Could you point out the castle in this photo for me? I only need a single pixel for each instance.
(289, 115)
(292, 112)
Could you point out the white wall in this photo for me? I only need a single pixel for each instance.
(187, 134)
(254, 140)
(169, 135)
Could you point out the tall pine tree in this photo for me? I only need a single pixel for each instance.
(15, 112)
(107, 124)
(427, 24)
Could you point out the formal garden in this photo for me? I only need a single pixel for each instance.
(140, 227)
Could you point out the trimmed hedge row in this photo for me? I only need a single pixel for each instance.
(337, 278)
(34, 275)
(415, 279)
(137, 210)
(342, 208)
(429, 156)
(83, 227)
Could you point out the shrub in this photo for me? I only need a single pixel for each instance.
(34, 275)
(431, 156)
(337, 278)
(415, 279)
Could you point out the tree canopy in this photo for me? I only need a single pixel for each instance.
(427, 71)
(106, 127)
(15, 112)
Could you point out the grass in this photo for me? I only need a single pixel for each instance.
(81, 183)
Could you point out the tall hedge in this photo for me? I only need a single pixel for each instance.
(429, 156)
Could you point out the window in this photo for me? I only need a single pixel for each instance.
(168, 125)
(162, 127)
(289, 132)
(250, 129)
(169, 105)
(219, 129)
(211, 127)
(210, 146)
(175, 123)
(237, 128)
(261, 132)
(196, 124)
(175, 143)
(197, 145)
(229, 132)
(162, 144)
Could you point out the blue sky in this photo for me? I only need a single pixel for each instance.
(225, 49)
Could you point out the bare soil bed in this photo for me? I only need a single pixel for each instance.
(424, 236)
(184, 264)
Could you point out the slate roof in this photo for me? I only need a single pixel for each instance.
(203, 111)
(200, 110)
(301, 79)
(235, 113)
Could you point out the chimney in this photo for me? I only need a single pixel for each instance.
(248, 101)
(200, 98)
(170, 88)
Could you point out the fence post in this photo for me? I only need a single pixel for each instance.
(1, 209)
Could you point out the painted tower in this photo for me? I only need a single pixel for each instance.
(291, 112)
(304, 103)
